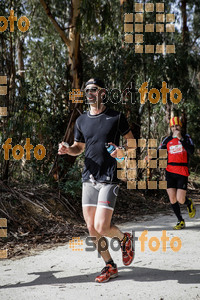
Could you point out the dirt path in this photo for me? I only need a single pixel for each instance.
(61, 273)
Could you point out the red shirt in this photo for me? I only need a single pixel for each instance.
(178, 154)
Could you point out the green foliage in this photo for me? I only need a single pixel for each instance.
(71, 183)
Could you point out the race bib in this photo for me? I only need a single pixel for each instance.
(175, 149)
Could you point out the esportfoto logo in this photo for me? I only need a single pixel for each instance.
(134, 23)
(152, 244)
(128, 168)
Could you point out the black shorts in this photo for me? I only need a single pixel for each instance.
(176, 181)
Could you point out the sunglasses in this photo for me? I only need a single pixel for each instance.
(92, 90)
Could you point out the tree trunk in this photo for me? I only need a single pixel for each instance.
(184, 20)
(20, 57)
(168, 115)
(72, 41)
(74, 46)
(10, 100)
(185, 36)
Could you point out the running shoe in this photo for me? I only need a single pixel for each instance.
(127, 249)
(106, 273)
(191, 209)
(180, 225)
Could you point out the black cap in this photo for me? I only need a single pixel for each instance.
(96, 81)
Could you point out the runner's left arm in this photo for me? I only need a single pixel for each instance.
(187, 143)
(125, 130)
(128, 136)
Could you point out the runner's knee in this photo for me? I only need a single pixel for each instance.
(90, 227)
(181, 200)
(173, 201)
(101, 228)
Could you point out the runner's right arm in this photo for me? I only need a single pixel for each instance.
(76, 149)
(79, 142)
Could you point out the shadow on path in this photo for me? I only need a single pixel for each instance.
(137, 274)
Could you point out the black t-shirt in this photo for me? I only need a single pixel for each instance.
(95, 131)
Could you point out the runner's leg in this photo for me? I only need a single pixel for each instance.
(181, 197)
(172, 193)
(89, 213)
(181, 194)
(103, 225)
(106, 203)
(105, 207)
(90, 195)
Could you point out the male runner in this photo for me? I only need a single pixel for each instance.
(100, 188)
(179, 147)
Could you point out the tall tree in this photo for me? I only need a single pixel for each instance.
(71, 40)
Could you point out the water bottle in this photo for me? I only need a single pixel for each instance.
(110, 149)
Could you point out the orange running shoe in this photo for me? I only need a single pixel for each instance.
(127, 250)
(106, 273)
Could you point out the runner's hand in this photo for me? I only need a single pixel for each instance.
(117, 153)
(177, 134)
(62, 149)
